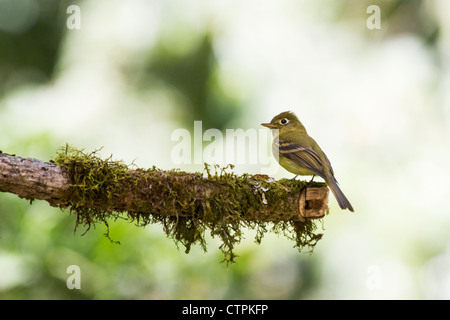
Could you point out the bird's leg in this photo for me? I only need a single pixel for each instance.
(295, 176)
(312, 178)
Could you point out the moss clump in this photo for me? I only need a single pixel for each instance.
(187, 205)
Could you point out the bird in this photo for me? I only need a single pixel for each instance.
(300, 154)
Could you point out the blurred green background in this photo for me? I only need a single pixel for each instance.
(377, 101)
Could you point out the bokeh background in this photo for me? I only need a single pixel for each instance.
(377, 101)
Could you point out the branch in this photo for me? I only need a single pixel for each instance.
(185, 203)
(33, 179)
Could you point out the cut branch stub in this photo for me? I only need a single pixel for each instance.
(313, 202)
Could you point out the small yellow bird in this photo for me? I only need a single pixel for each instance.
(300, 154)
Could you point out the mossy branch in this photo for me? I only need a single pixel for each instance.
(186, 204)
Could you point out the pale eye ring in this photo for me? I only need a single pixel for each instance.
(284, 121)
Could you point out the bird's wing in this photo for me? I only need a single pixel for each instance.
(305, 156)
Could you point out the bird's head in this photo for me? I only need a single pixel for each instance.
(285, 122)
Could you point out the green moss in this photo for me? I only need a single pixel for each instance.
(105, 190)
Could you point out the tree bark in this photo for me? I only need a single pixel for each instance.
(33, 179)
(149, 192)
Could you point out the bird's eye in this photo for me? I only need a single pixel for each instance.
(284, 121)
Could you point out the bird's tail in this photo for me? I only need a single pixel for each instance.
(338, 194)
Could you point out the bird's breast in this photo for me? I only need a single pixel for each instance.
(288, 164)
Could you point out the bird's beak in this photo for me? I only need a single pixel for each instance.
(269, 125)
